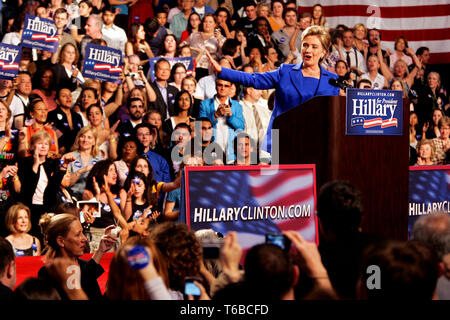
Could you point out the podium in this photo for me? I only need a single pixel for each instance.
(314, 133)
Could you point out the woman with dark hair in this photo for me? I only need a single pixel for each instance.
(101, 184)
(194, 25)
(276, 18)
(106, 138)
(88, 97)
(400, 53)
(318, 17)
(44, 84)
(177, 74)
(260, 35)
(129, 148)
(224, 23)
(138, 45)
(169, 46)
(182, 111)
(77, 29)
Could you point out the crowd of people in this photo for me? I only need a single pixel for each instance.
(111, 153)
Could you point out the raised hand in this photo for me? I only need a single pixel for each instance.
(216, 66)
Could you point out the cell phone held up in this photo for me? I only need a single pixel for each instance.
(280, 240)
(190, 288)
(211, 248)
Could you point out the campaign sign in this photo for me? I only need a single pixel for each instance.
(251, 200)
(429, 191)
(374, 112)
(102, 63)
(9, 61)
(39, 33)
(187, 61)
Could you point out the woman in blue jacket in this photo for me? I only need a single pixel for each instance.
(294, 84)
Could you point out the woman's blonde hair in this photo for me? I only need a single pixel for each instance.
(76, 145)
(405, 94)
(358, 25)
(58, 225)
(38, 136)
(12, 215)
(426, 142)
(8, 111)
(322, 34)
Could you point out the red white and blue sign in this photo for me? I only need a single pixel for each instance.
(429, 191)
(39, 33)
(102, 63)
(9, 61)
(251, 200)
(374, 112)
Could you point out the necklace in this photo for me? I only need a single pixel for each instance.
(307, 72)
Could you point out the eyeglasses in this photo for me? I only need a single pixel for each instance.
(169, 40)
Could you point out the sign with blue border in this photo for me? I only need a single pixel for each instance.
(102, 63)
(374, 112)
(9, 61)
(39, 33)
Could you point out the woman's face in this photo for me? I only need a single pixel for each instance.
(189, 86)
(86, 141)
(136, 93)
(46, 80)
(396, 85)
(240, 36)
(155, 119)
(3, 112)
(277, 9)
(272, 55)
(139, 188)
(22, 221)
(179, 74)
(437, 115)
(372, 63)
(95, 116)
(111, 176)
(209, 24)
(194, 21)
(42, 147)
(413, 120)
(185, 102)
(75, 240)
(85, 11)
(312, 51)
(401, 45)
(222, 17)
(341, 69)
(317, 12)
(264, 12)
(433, 81)
(129, 151)
(254, 54)
(170, 44)
(87, 98)
(111, 86)
(40, 113)
(140, 34)
(142, 166)
(186, 52)
(359, 33)
(425, 151)
(243, 148)
(262, 27)
(445, 131)
(68, 55)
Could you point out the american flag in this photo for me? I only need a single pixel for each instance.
(104, 66)
(427, 185)
(369, 123)
(6, 65)
(46, 38)
(236, 187)
(422, 23)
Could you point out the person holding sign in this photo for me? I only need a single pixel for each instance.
(65, 71)
(294, 84)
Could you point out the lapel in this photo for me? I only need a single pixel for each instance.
(159, 97)
(297, 78)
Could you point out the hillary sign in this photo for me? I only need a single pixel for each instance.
(40, 33)
(9, 61)
(102, 63)
(251, 200)
(374, 112)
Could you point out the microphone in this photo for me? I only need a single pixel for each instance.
(339, 83)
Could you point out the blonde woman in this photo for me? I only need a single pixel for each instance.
(85, 153)
(18, 222)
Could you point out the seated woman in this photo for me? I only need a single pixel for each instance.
(65, 238)
(18, 222)
(425, 153)
(85, 153)
(38, 112)
(182, 111)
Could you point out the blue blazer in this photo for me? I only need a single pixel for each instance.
(235, 122)
(289, 84)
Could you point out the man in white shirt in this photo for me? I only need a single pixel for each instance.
(19, 103)
(114, 36)
(257, 116)
(354, 58)
(206, 86)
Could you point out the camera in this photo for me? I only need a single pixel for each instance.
(115, 232)
(279, 240)
(211, 248)
(133, 74)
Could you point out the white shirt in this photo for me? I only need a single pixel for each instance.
(250, 123)
(221, 135)
(38, 196)
(378, 83)
(17, 107)
(206, 88)
(356, 59)
(115, 37)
